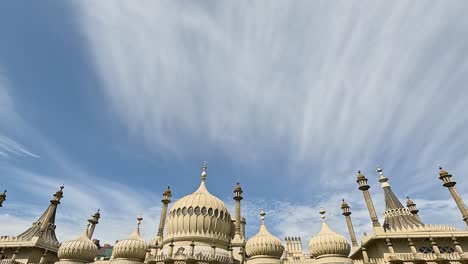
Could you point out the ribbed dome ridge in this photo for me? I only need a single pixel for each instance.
(81, 249)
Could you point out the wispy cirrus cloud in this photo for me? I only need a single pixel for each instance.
(335, 86)
(325, 86)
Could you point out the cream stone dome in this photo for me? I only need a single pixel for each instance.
(132, 248)
(200, 216)
(264, 244)
(328, 243)
(81, 249)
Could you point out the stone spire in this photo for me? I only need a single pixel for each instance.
(396, 216)
(93, 221)
(446, 178)
(347, 214)
(2, 198)
(44, 227)
(364, 187)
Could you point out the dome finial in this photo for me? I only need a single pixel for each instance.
(322, 214)
(262, 215)
(139, 218)
(203, 174)
(383, 180)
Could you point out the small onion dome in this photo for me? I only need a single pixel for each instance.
(81, 249)
(134, 247)
(442, 172)
(264, 243)
(360, 176)
(328, 243)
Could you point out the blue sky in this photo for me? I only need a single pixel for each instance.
(117, 99)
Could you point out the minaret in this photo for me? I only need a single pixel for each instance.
(93, 221)
(412, 207)
(2, 198)
(166, 199)
(238, 197)
(347, 214)
(364, 187)
(238, 242)
(447, 182)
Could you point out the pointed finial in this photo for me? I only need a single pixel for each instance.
(383, 180)
(322, 214)
(203, 174)
(262, 215)
(139, 218)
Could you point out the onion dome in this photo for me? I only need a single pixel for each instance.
(201, 216)
(81, 249)
(134, 247)
(360, 176)
(442, 172)
(328, 243)
(264, 244)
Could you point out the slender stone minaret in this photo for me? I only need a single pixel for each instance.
(364, 187)
(52, 208)
(238, 197)
(412, 207)
(93, 221)
(165, 202)
(447, 182)
(238, 242)
(347, 214)
(2, 198)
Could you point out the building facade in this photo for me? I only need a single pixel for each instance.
(198, 228)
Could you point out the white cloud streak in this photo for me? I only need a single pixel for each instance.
(326, 83)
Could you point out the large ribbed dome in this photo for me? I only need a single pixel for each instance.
(81, 249)
(200, 216)
(328, 243)
(264, 244)
(132, 248)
